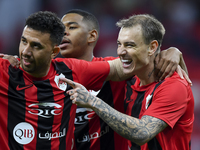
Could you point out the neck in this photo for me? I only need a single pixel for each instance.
(147, 75)
(88, 56)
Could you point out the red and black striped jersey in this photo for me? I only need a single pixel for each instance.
(170, 100)
(91, 132)
(36, 113)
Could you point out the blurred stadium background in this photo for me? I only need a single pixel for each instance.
(181, 19)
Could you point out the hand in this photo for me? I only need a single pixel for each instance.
(12, 59)
(166, 62)
(79, 94)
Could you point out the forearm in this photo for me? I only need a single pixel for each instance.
(138, 131)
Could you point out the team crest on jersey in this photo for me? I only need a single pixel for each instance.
(61, 84)
(148, 98)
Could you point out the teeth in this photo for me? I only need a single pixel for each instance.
(125, 61)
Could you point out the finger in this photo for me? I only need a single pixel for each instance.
(159, 67)
(162, 71)
(170, 70)
(186, 77)
(179, 71)
(70, 82)
(70, 92)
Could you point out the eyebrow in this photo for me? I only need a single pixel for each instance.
(69, 23)
(33, 43)
(22, 37)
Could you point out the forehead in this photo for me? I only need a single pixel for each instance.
(130, 33)
(36, 36)
(72, 17)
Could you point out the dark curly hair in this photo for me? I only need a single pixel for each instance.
(47, 22)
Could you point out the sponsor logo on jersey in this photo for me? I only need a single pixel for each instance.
(49, 136)
(83, 115)
(95, 135)
(23, 133)
(24, 87)
(45, 110)
(61, 84)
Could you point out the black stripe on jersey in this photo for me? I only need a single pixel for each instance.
(129, 92)
(16, 105)
(153, 144)
(107, 140)
(62, 68)
(81, 131)
(44, 87)
(65, 121)
(136, 112)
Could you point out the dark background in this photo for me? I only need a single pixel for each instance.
(181, 19)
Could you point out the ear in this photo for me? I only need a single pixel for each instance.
(55, 51)
(153, 47)
(93, 35)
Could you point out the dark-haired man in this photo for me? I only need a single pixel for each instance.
(36, 112)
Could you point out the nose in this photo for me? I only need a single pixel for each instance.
(26, 50)
(121, 51)
(66, 32)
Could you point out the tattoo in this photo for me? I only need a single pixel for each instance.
(150, 73)
(139, 131)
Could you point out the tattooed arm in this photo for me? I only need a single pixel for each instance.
(138, 131)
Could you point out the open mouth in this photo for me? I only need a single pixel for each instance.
(126, 62)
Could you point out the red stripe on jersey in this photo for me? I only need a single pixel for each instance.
(4, 109)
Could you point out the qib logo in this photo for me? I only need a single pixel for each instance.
(23, 133)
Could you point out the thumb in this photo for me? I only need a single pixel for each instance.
(70, 82)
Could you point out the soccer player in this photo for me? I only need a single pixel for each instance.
(81, 35)
(159, 115)
(36, 112)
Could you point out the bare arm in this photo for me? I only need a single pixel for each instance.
(138, 131)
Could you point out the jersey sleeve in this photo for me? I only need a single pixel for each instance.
(90, 74)
(169, 102)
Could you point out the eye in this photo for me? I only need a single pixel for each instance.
(36, 45)
(118, 44)
(72, 27)
(24, 41)
(130, 45)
